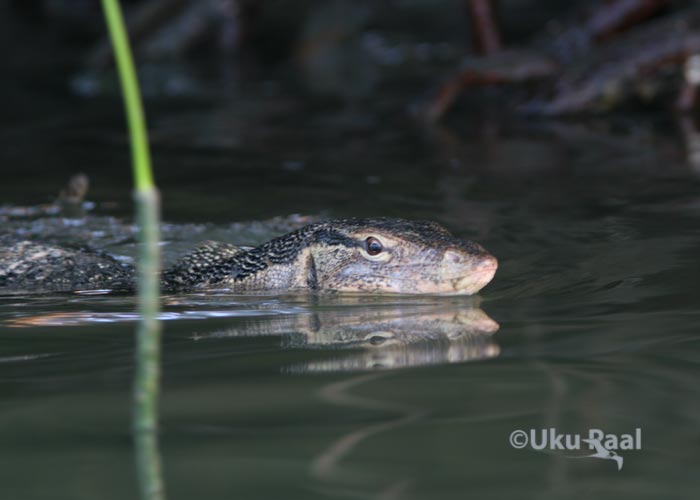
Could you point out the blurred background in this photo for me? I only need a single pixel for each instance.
(339, 97)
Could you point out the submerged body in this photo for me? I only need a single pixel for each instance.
(346, 255)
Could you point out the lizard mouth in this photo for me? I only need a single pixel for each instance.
(463, 278)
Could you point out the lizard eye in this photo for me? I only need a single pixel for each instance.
(373, 246)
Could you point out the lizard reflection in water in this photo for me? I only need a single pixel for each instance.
(380, 336)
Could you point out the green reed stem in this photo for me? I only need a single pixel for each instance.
(140, 155)
(146, 384)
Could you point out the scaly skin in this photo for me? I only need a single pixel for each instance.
(31, 266)
(414, 257)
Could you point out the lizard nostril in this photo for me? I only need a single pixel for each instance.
(488, 263)
(453, 257)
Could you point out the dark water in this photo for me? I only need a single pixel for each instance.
(597, 229)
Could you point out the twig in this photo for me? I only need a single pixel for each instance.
(487, 39)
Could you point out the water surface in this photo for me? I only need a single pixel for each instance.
(597, 230)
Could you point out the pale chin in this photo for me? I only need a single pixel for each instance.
(471, 284)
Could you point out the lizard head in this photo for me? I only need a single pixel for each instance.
(395, 256)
